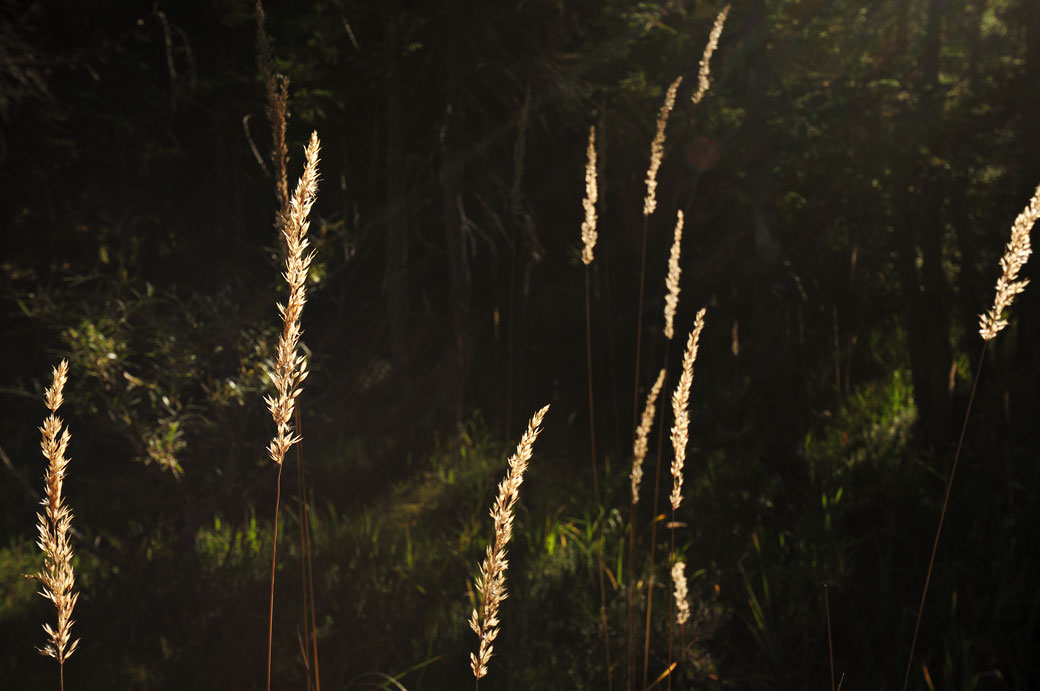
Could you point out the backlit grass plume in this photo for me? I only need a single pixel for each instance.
(682, 603)
(56, 578)
(639, 447)
(671, 300)
(680, 410)
(1016, 253)
(491, 583)
(705, 69)
(291, 366)
(657, 148)
(588, 226)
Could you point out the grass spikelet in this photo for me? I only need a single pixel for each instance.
(57, 578)
(492, 579)
(657, 148)
(671, 301)
(680, 410)
(1016, 253)
(704, 74)
(639, 447)
(290, 366)
(588, 226)
(682, 604)
(276, 90)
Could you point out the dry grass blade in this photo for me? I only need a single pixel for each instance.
(703, 81)
(639, 447)
(671, 300)
(657, 148)
(56, 578)
(588, 226)
(291, 366)
(680, 411)
(491, 583)
(1016, 253)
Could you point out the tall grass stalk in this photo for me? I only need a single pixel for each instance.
(276, 92)
(491, 583)
(992, 322)
(639, 449)
(649, 206)
(290, 368)
(53, 525)
(588, 237)
(680, 437)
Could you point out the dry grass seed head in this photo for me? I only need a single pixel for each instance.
(276, 90)
(53, 526)
(1016, 253)
(671, 300)
(680, 410)
(588, 226)
(491, 583)
(639, 447)
(682, 604)
(290, 365)
(703, 77)
(657, 148)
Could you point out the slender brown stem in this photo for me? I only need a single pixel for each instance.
(307, 566)
(310, 583)
(274, 554)
(653, 526)
(629, 614)
(671, 601)
(307, 552)
(830, 645)
(595, 478)
(300, 489)
(61, 675)
(588, 362)
(942, 514)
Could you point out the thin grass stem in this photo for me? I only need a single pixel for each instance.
(942, 515)
(274, 555)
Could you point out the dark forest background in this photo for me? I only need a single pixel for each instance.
(849, 183)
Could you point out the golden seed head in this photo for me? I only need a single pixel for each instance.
(291, 366)
(657, 147)
(682, 604)
(680, 410)
(588, 226)
(639, 447)
(671, 300)
(491, 582)
(705, 68)
(1016, 253)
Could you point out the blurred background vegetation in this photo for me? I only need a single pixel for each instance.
(848, 187)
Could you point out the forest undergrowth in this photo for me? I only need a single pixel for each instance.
(538, 571)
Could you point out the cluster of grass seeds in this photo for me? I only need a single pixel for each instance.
(57, 578)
